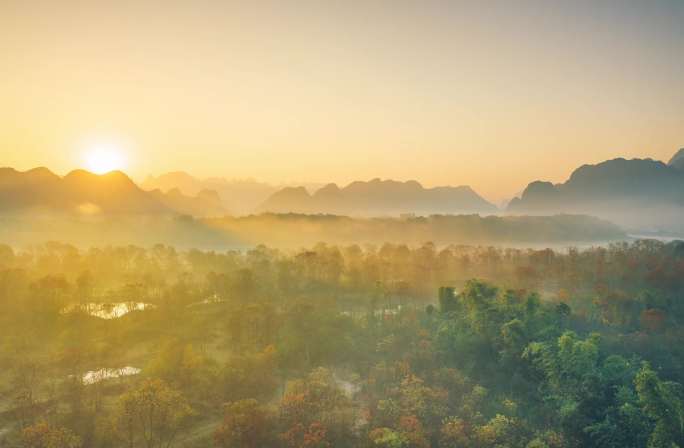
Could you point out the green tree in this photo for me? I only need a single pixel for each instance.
(662, 402)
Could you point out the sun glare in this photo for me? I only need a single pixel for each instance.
(102, 159)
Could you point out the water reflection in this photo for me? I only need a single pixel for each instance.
(213, 299)
(95, 376)
(107, 310)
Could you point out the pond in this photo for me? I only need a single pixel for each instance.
(107, 310)
(95, 376)
(213, 299)
(384, 312)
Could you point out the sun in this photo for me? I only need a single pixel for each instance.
(103, 158)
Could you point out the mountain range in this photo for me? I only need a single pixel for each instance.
(83, 193)
(373, 198)
(640, 194)
(378, 198)
(240, 196)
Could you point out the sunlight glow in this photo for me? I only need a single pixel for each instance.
(103, 158)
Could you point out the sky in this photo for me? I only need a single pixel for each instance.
(492, 94)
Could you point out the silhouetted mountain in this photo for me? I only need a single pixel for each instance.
(378, 198)
(27, 189)
(205, 203)
(180, 180)
(239, 196)
(677, 161)
(85, 193)
(289, 199)
(641, 194)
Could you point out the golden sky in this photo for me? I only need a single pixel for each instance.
(444, 92)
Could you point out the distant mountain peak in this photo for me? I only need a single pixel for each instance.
(677, 161)
(293, 191)
(79, 172)
(331, 186)
(111, 193)
(40, 171)
(378, 197)
(641, 194)
(113, 179)
(329, 189)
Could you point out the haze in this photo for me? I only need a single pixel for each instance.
(441, 92)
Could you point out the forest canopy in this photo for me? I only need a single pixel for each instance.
(342, 346)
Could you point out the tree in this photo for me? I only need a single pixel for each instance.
(447, 299)
(181, 366)
(571, 381)
(151, 415)
(387, 438)
(316, 408)
(251, 376)
(502, 431)
(313, 436)
(246, 424)
(456, 432)
(652, 320)
(662, 402)
(42, 435)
